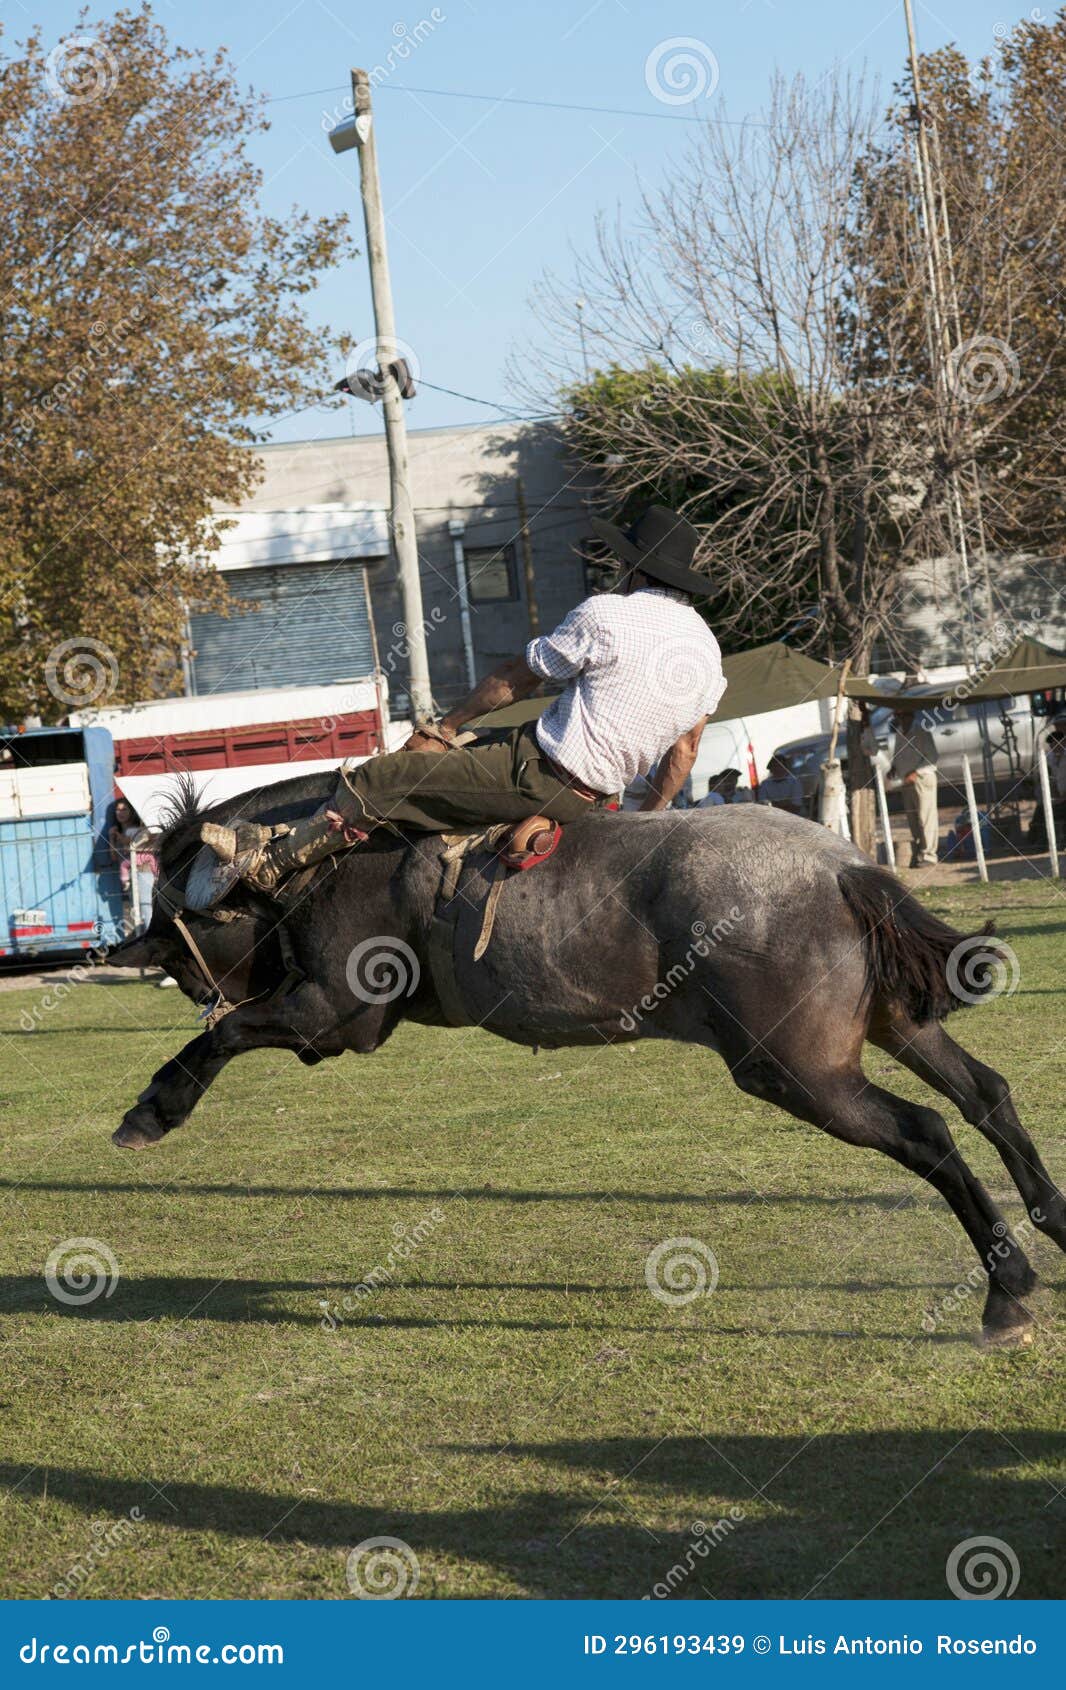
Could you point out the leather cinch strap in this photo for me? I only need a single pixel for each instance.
(442, 935)
(535, 840)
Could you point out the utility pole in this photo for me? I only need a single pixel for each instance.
(402, 514)
(527, 559)
(944, 314)
(579, 306)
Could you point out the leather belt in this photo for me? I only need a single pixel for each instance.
(572, 781)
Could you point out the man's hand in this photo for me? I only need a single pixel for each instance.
(674, 769)
(506, 685)
(422, 741)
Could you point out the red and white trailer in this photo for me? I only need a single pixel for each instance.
(231, 742)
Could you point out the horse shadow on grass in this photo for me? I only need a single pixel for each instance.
(890, 1201)
(329, 1304)
(866, 1514)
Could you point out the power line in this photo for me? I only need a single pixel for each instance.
(512, 415)
(517, 100)
(470, 398)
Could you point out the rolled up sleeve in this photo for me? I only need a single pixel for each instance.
(568, 651)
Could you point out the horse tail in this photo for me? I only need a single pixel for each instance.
(913, 959)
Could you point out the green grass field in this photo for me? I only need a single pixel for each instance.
(510, 1399)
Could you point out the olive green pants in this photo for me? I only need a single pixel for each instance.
(503, 779)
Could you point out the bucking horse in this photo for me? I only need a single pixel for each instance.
(751, 932)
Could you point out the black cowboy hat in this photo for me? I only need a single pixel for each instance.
(660, 544)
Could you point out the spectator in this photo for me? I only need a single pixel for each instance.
(1056, 760)
(722, 789)
(132, 849)
(914, 761)
(1055, 745)
(781, 788)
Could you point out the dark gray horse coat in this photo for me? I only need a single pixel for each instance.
(742, 929)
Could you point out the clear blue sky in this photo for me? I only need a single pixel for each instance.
(483, 197)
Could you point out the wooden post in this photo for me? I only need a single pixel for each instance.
(838, 709)
(402, 514)
(527, 559)
(882, 805)
(975, 820)
(1049, 810)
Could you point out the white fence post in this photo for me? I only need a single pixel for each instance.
(1049, 810)
(975, 820)
(882, 805)
(135, 891)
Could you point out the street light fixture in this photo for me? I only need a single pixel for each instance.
(350, 132)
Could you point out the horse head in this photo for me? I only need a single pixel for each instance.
(232, 953)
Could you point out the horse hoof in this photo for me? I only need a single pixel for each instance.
(136, 1134)
(1016, 1337)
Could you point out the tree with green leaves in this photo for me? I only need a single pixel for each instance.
(153, 324)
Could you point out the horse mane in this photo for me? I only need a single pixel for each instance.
(181, 807)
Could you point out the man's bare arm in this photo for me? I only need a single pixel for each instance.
(506, 685)
(674, 769)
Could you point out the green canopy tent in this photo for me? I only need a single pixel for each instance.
(1029, 668)
(772, 677)
(769, 677)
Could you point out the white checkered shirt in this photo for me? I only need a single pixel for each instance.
(643, 668)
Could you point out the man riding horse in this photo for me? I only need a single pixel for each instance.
(642, 670)
(814, 952)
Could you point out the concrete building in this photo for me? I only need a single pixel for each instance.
(933, 626)
(308, 554)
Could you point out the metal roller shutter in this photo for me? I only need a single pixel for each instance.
(308, 625)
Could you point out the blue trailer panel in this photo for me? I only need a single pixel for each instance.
(59, 890)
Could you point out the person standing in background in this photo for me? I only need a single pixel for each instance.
(914, 761)
(1056, 759)
(132, 848)
(781, 788)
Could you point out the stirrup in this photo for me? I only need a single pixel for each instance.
(209, 880)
